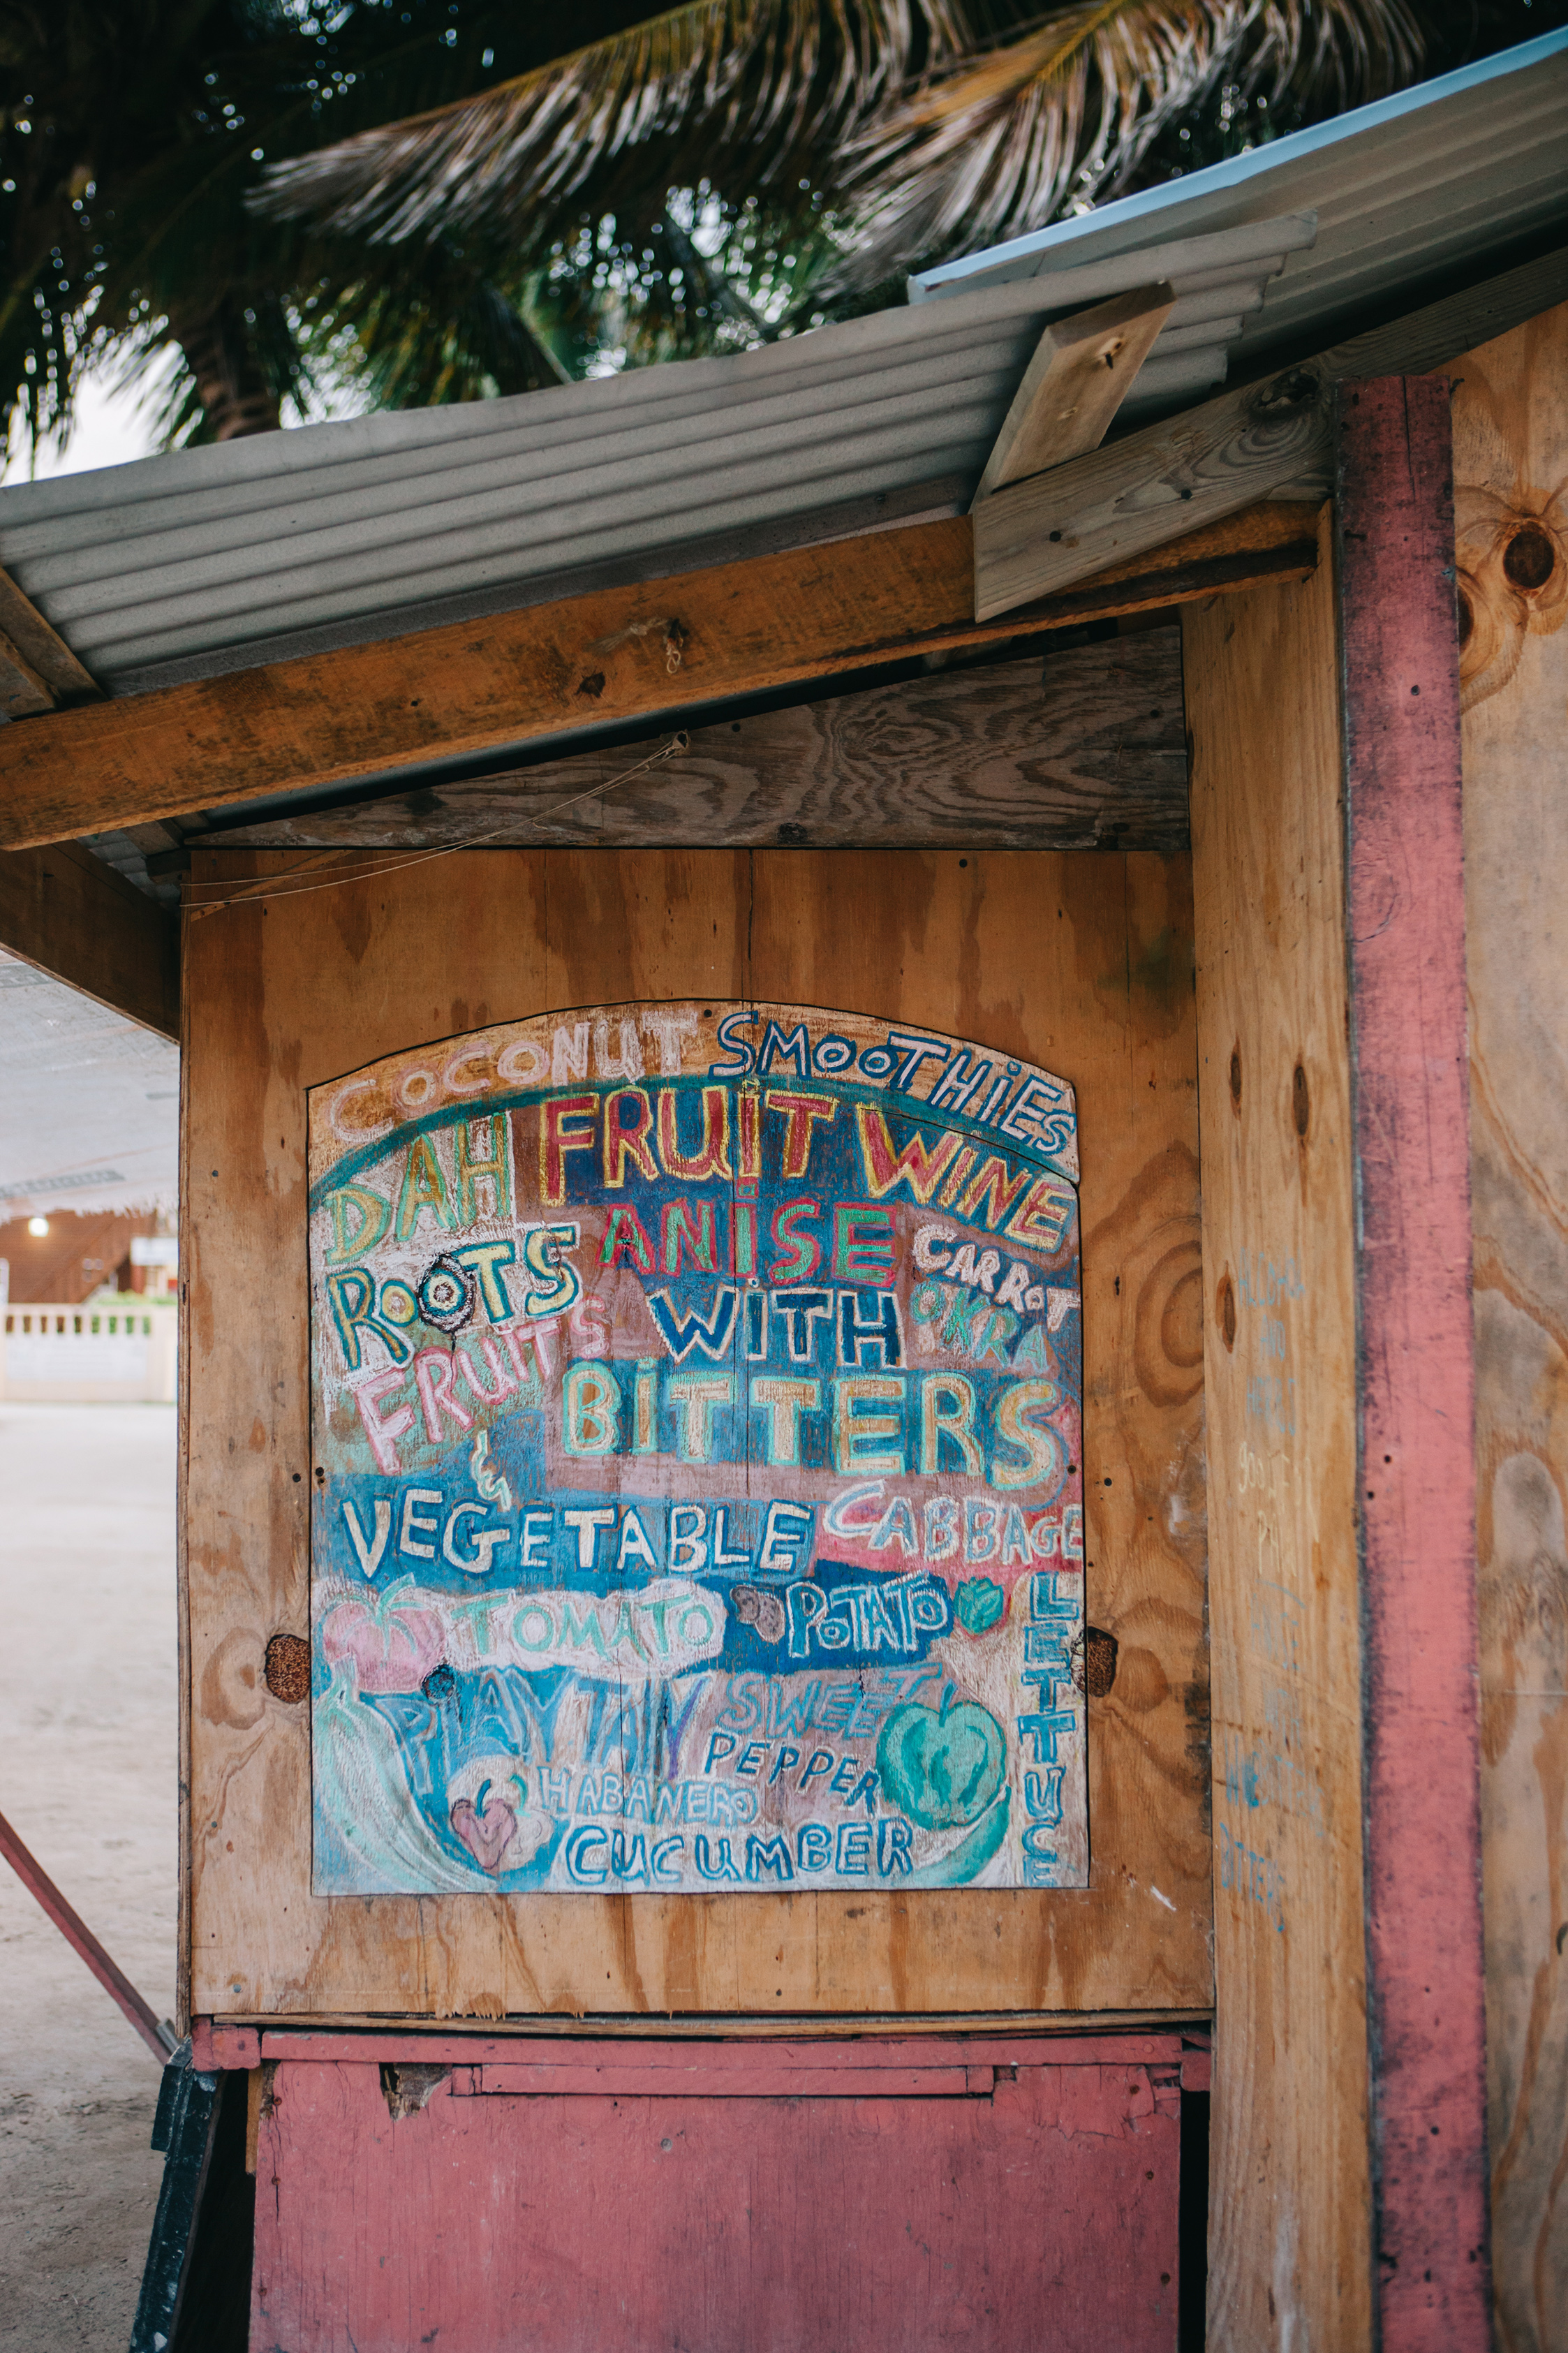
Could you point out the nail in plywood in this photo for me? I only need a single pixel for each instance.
(1082, 370)
(1082, 960)
(1510, 490)
(1289, 2248)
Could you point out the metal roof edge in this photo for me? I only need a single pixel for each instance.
(1055, 240)
(620, 402)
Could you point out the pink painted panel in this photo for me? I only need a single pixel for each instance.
(1198, 2071)
(764, 2079)
(224, 2046)
(1040, 2213)
(1406, 921)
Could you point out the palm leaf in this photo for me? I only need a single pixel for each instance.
(991, 147)
(778, 80)
(428, 326)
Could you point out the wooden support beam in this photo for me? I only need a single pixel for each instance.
(64, 910)
(1041, 536)
(1082, 371)
(1290, 2080)
(22, 691)
(38, 670)
(621, 653)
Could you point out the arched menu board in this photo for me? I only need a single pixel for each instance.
(696, 1406)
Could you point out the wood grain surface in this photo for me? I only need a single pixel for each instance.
(1037, 537)
(67, 911)
(1082, 370)
(1405, 930)
(617, 654)
(1430, 337)
(1270, 437)
(23, 691)
(1078, 749)
(1290, 2246)
(675, 2059)
(1510, 488)
(1080, 960)
(42, 650)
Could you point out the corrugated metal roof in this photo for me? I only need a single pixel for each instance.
(1416, 193)
(220, 559)
(216, 558)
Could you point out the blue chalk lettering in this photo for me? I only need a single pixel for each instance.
(584, 1858)
(814, 1846)
(1042, 1731)
(768, 1855)
(895, 1844)
(853, 1855)
(665, 1860)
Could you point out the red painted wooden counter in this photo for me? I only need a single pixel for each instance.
(719, 2198)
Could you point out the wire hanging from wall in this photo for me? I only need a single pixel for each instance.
(293, 888)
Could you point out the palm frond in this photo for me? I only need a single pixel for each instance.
(994, 146)
(426, 327)
(779, 80)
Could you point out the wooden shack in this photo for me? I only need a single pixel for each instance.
(1003, 1035)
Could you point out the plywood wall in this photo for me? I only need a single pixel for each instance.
(1083, 962)
(1511, 476)
(1290, 2199)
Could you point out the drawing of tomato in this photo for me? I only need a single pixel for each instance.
(393, 1643)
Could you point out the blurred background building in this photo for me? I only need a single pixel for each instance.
(89, 1195)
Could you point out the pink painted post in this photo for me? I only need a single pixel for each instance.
(1406, 911)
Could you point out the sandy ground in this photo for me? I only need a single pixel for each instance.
(88, 1776)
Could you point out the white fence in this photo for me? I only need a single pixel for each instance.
(108, 1352)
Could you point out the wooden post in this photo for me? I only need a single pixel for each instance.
(1406, 929)
(1290, 2242)
(1511, 459)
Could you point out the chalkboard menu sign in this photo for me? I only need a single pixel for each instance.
(697, 1412)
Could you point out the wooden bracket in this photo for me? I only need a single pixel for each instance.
(1082, 371)
(1040, 537)
(38, 670)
